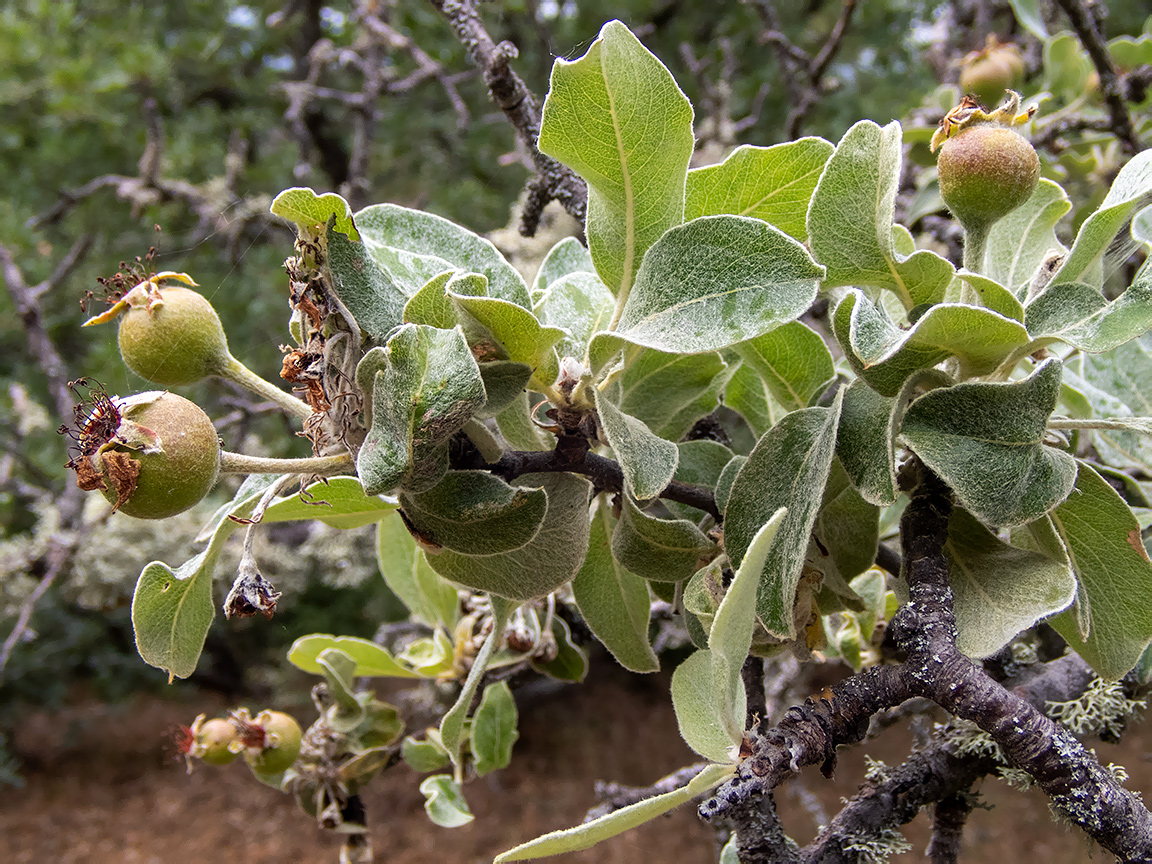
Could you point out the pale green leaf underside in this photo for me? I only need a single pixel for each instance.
(885, 355)
(697, 697)
(444, 802)
(308, 210)
(614, 602)
(428, 596)
(1078, 314)
(664, 550)
(338, 501)
(590, 833)
(1130, 190)
(730, 637)
(371, 660)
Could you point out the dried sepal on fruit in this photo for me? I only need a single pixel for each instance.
(986, 167)
(270, 741)
(152, 455)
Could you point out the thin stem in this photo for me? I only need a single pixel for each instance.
(975, 242)
(240, 463)
(238, 373)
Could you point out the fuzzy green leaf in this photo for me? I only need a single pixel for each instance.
(452, 723)
(405, 569)
(509, 332)
(850, 220)
(413, 246)
(566, 258)
(748, 394)
(1029, 17)
(519, 430)
(711, 283)
(173, 609)
(423, 755)
(494, 729)
(303, 207)
(476, 513)
(847, 528)
(504, 382)
(656, 385)
(444, 802)
(424, 386)
(338, 501)
(770, 183)
(701, 463)
(999, 590)
(664, 550)
(571, 661)
(617, 118)
(730, 637)
(1116, 385)
(793, 361)
(787, 468)
(371, 660)
(986, 442)
(374, 299)
(865, 442)
(552, 557)
(647, 460)
(1103, 541)
(1078, 315)
(977, 290)
(1022, 239)
(1130, 190)
(695, 698)
(580, 304)
(589, 834)
(614, 602)
(885, 356)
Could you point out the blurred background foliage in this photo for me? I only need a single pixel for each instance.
(75, 79)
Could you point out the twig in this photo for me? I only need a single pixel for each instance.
(925, 630)
(553, 181)
(605, 473)
(63, 543)
(798, 64)
(948, 822)
(1086, 22)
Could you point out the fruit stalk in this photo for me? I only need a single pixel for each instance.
(241, 463)
(238, 373)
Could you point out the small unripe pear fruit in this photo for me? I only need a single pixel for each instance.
(174, 338)
(986, 172)
(212, 740)
(152, 455)
(987, 78)
(272, 740)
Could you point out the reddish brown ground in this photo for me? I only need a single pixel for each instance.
(101, 789)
